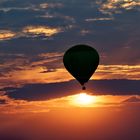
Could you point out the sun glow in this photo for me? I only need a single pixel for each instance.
(83, 99)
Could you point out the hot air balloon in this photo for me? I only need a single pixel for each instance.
(81, 61)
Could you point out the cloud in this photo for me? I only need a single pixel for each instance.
(133, 99)
(41, 30)
(51, 5)
(7, 6)
(41, 91)
(30, 31)
(8, 9)
(33, 30)
(19, 62)
(99, 19)
(117, 71)
(48, 68)
(6, 35)
(56, 90)
(85, 32)
(11, 106)
(20, 69)
(116, 6)
(2, 101)
(107, 33)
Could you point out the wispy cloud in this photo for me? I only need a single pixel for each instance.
(118, 72)
(29, 5)
(30, 31)
(8, 9)
(85, 32)
(99, 19)
(41, 30)
(6, 35)
(52, 5)
(115, 6)
(49, 68)
(132, 99)
(21, 69)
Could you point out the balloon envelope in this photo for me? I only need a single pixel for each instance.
(81, 61)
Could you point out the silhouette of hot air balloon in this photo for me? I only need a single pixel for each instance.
(81, 61)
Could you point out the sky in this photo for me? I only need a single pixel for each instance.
(39, 99)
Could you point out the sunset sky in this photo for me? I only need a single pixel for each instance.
(39, 99)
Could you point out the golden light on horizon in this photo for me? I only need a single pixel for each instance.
(83, 99)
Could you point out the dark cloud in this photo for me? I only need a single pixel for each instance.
(2, 101)
(43, 91)
(55, 90)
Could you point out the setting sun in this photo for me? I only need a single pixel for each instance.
(83, 99)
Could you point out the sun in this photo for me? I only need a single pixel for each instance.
(83, 99)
